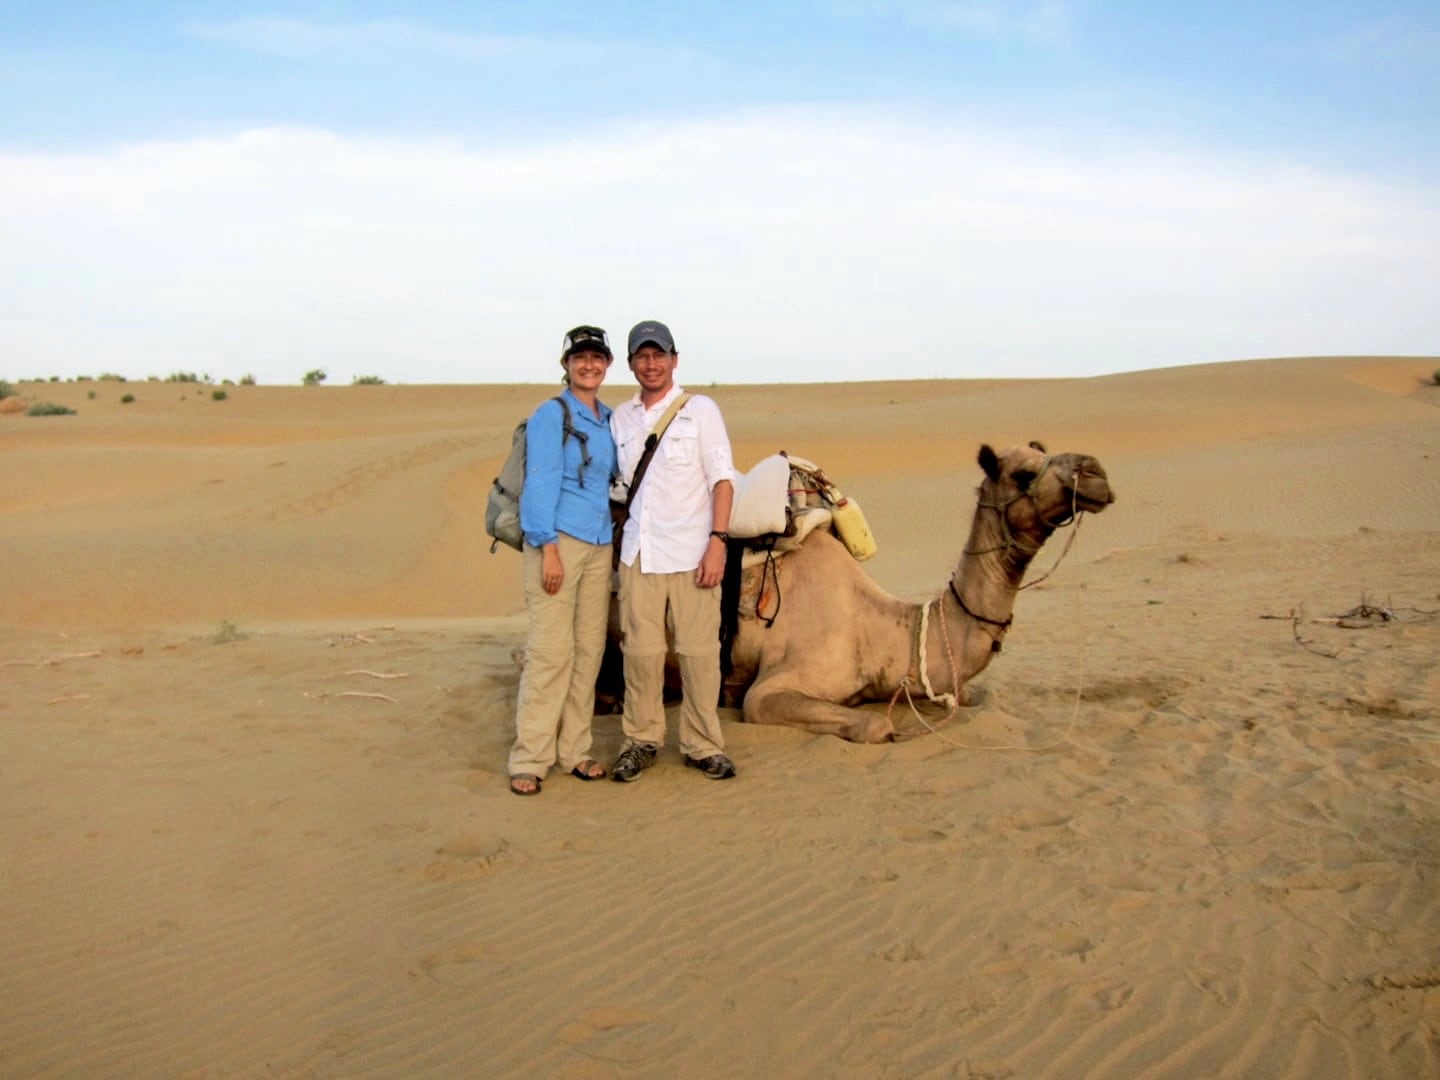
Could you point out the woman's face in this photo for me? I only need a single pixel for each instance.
(587, 368)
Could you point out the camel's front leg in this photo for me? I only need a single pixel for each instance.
(768, 703)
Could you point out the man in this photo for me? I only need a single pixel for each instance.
(672, 557)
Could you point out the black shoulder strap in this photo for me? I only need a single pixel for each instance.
(651, 442)
(567, 429)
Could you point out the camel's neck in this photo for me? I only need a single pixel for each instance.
(992, 566)
(970, 619)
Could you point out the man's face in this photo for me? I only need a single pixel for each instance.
(654, 368)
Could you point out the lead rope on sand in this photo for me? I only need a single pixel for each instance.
(952, 701)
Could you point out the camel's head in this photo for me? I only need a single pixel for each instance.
(1035, 489)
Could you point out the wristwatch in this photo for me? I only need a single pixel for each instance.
(724, 536)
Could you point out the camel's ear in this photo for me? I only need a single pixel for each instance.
(1036, 446)
(989, 462)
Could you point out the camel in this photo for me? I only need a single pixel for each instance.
(838, 639)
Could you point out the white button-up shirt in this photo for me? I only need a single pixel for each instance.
(670, 517)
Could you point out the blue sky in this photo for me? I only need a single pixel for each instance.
(805, 191)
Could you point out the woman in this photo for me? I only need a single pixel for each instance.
(565, 515)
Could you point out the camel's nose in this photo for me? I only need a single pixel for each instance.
(1090, 479)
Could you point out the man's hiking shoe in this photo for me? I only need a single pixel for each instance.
(715, 767)
(633, 760)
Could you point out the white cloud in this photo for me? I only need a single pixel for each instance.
(791, 245)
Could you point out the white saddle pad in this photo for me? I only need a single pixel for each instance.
(760, 499)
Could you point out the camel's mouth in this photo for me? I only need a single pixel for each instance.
(1084, 480)
(1092, 503)
(1090, 488)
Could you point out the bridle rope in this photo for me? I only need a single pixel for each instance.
(951, 700)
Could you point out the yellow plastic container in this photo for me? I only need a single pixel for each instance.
(851, 526)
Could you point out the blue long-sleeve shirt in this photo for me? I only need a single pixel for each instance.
(554, 499)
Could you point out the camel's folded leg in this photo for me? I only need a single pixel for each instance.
(783, 705)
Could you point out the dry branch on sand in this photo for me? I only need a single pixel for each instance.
(57, 658)
(357, 637)
(1363, 616)
(351, 693)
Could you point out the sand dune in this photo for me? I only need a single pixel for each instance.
(259, 693)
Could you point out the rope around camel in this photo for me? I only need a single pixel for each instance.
(952, 702)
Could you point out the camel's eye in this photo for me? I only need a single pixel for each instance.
(1023, 478)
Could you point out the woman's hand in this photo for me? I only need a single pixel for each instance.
(552, 570)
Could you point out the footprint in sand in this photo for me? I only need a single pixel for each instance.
(1035, 818)
(902, 952)
(1070, 941)
(468, 857)
(465, 965)
(918, 834)
(1114, 995)
(616, 1033)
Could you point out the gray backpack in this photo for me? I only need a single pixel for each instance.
(502, 507)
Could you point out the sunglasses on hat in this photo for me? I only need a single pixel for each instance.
(584, 338)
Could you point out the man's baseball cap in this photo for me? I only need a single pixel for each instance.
(585, 338)
(651, 332)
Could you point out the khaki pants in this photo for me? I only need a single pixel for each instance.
(649, 603)
(562, 658)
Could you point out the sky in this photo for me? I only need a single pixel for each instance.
(804, 190)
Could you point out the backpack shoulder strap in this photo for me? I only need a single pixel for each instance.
(567, 429)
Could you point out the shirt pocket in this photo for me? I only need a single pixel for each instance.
(681, 444)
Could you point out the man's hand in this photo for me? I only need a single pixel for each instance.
(712, 564)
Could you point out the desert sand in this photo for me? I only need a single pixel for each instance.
(258, 692)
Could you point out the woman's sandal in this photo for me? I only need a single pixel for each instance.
(527, 778)
(586, 770)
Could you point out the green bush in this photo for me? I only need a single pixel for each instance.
(6, 390)
(314, 378)
(127, 399)
(247, 380)
(109, 377)
(182, 376)
(227, 633)
(46, 408)
(1436, 376)
(367, 380)
(219, 395)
